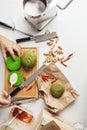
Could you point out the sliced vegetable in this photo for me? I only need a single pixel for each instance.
(18, 75)
(13, 64)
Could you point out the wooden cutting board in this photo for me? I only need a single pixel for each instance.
(25, 92)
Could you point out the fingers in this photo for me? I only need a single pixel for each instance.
(3, 98)
(8, 46)
(13, 50)
(17, 49)
(4, 54)
(4, 101)
(5, 94)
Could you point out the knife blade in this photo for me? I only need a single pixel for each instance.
(28, 81)
(12, 28)
(37, 38)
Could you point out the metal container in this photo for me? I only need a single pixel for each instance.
(41, 12)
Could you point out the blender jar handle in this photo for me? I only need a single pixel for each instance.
(62, 8)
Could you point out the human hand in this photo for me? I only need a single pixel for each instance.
(9, 46)
(3, 100)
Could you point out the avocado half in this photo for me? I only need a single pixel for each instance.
(13, 64)
(29, 59)
(19, 77)
(57, 89)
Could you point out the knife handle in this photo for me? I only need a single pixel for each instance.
(23, 39)
(13, 93)
(5, 25)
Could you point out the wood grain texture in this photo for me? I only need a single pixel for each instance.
(25, 92)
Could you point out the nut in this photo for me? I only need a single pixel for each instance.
(57, 39)
(60, 48)
(47, 31)
(61, 58)
(54, 54)
(59, 52)
(50, 43)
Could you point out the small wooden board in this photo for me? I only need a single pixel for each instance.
(25, 92)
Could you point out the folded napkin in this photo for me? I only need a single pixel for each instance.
(55, 105)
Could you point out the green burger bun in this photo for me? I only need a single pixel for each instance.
(57, 89)
(13, 64)
(29, 59)
(19, 76)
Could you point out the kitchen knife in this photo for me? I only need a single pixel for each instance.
(28, 81)
(13, 28)
(38, 38)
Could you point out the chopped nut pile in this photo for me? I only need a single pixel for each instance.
(55, 53)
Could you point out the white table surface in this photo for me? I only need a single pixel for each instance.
(71, 26)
